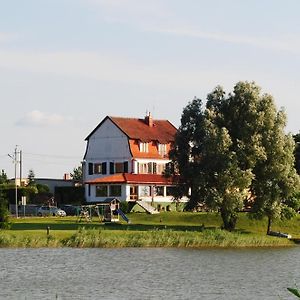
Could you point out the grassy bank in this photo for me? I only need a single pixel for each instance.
(192, 230)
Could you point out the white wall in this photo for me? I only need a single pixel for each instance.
(108, 142)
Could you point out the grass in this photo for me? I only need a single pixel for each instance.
(169, 229)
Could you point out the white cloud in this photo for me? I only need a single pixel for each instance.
(38, 118)
(96, 66)
(284, 43)
(158, 16)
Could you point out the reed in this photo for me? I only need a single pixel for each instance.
(167, 238)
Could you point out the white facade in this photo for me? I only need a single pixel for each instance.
(108, 153)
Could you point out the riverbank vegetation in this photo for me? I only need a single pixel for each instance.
(169, 229)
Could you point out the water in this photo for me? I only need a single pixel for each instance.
(148, 273)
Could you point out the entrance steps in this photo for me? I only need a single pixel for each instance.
(147, 207)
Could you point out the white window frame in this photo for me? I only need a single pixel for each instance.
(144, 147)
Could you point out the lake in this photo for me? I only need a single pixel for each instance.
(138, 273)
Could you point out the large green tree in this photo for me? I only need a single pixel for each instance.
(276, 180)
(236, 149)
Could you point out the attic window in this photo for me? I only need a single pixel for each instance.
(144, 147)
(162, 149)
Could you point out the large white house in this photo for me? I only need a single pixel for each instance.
(125, 158)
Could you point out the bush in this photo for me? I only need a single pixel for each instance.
(3, 211)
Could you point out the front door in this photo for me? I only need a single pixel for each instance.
(133, 192)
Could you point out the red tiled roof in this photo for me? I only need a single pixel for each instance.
(133, 179)
(162, 130)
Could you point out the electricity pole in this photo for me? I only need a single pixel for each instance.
(15, 161)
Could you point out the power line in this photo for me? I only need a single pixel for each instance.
(53, 156)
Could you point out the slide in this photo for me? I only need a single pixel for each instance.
(120, 212)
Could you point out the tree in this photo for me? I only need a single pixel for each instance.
(3, 177)
(4, 219)
(297, 152)
(31, 177)
(77, 174)
(234, 148)
(186, 152)
(276, 180)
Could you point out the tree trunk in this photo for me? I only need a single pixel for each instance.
(229, 219)
(269, 225)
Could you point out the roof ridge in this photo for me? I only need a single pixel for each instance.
(132, 118)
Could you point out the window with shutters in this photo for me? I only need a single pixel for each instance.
(100, 168)
(121, 167)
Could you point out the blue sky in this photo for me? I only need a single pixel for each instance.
(66, 64)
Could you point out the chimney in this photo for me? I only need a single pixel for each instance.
(149, 120)
(67, 176)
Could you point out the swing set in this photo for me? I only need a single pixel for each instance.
(107, 211)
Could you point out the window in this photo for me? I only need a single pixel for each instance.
(171, 190)
(115, 190)
(159, 191)
(101, 191)
(119, 167)
(160, 168)
(145, 191)
(162, 149)
(100, 168)
(144, 147)
(143, 168)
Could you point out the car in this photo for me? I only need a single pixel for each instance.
(71, 210)
(50, 211)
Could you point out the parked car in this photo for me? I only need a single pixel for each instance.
(50, 211)
(71, 210)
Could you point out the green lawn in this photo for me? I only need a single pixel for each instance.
(170, 229)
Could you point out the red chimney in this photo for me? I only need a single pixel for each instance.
(149, 120)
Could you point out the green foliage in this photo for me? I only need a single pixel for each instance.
(235, 147)
(124, 207)
(4, 219)
(297, 152)
(31, 177)
(77, 174)
(294, 292)
(42, 188)
(69, 195)
(3, 178)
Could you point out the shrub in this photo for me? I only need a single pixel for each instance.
(3, 211)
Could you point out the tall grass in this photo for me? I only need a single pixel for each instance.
(168, 238)
(192, 230)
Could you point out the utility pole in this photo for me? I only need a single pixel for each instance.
(15, 161)
(21, 175)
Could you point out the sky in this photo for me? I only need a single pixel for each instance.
(66, 64)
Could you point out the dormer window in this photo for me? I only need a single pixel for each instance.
(162, 149)
(144, 147)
